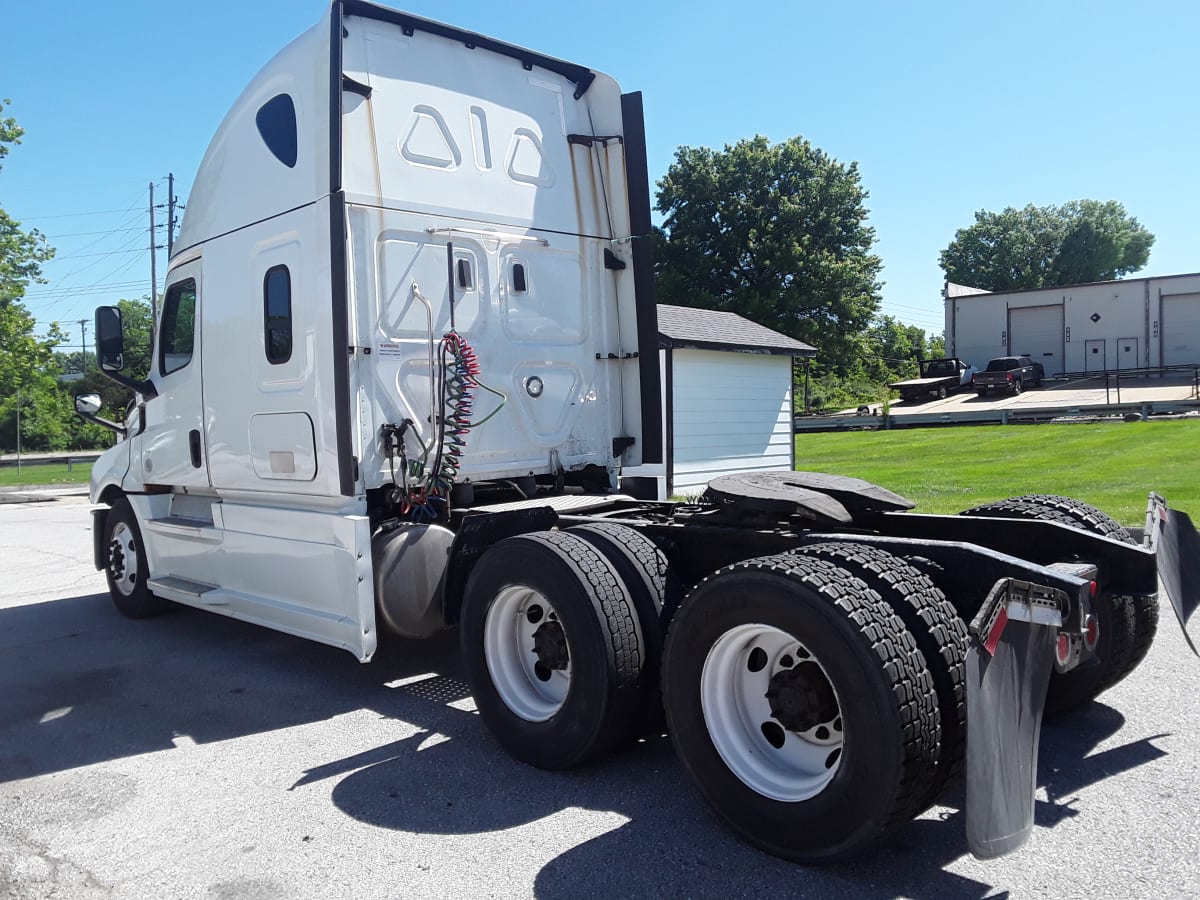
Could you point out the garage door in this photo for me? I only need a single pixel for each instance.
(732, 413)
(1181, 329)
(1037, 332)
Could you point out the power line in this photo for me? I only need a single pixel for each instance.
(55, 237)
(94, 212)
(105, 253)
(49, 292)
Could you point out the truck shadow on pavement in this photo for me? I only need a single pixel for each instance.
(81, 685)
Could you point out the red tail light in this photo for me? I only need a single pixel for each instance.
(1062, 649)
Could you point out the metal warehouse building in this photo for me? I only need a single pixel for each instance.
(1106, 326)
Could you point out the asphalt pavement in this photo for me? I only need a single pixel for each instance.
(194, 756)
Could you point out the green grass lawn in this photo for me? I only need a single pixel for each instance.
(946, 470)
(50, 473)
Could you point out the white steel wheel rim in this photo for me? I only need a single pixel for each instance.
(123, 559)
(738, 716)
(529, 689)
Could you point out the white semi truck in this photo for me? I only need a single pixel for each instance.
(407, 344)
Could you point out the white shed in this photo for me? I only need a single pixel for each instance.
(726, 398)
(1108, 326)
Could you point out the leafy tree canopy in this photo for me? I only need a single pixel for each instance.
(774, 232)
(21, 255)
(1047, 246)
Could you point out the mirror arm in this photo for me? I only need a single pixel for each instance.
(96, 420)
(146, 388)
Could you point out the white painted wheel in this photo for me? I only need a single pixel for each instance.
(123, 559)
(772, 712)
(527, 654)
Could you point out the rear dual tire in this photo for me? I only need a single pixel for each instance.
(940, 634)
(1127, 624)
(553, 649)
(655, 591)
(801, 706)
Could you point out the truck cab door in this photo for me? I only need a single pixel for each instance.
(173, 451)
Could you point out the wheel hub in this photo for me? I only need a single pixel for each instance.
(801, 698)
(116, 560)
(550, 646)
(771, 712)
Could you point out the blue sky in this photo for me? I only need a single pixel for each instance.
(947, 108)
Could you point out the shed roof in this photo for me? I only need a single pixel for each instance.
(712, 329)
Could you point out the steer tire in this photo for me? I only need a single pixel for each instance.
(939, 632)
(760, 656)
(578, 706)
(656, 593)
(125, 564)
(1121, 631)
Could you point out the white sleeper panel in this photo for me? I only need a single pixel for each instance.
(732, 413)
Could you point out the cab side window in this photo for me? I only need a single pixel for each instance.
(177, 327)
(277, 314)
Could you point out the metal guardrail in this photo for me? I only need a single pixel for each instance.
(69, 459)
(1112, 377)
(1003, 416)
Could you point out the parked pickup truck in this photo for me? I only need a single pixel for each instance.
(939, 377)
(1008, 373)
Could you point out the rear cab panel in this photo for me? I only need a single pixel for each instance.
(485, 192)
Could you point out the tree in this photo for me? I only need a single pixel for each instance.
(776, 233)
(26, 361)
(1047, 246)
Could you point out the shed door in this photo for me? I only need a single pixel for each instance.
(732, 412)
(1037, 332)
(1094, 360)
(1181, 329)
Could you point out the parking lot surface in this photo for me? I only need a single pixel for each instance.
(1078, 394)
(195, 756)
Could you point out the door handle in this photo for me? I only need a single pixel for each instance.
(194, 446)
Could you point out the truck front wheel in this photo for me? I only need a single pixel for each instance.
(125, 566)
(800, 705)
(553, 649)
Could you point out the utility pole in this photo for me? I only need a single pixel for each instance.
(83, 346)
(153, 263)
(170, 215)
(18, 435)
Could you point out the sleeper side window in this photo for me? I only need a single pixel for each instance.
(277, 313)
(177, 327)
(276, 120)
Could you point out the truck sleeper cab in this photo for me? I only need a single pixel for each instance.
(406, 346)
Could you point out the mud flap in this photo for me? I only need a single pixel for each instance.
(1008, 670)
(1174, 539)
